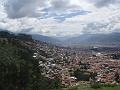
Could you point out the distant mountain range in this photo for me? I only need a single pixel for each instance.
(94, 40)
(111, 39)
(47, 39)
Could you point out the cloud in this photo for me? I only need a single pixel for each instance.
(93, 26)
(101, 3)
(102, 21)
(104, 3)
(58, 9)
(60, 17)
(23, 8)
(33, 8)
(62, 5)
(61, 10)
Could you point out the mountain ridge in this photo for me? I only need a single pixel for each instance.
(110, 39)
(94, 39)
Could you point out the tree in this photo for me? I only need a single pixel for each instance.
(117, 77)
(20, 71)
(82, 75)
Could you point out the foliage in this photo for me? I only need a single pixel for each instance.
(18, 69)
(102, 87)
(116, 56)
(82, 75)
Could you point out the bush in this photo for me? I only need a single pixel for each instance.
(95, 86)
(82, 75)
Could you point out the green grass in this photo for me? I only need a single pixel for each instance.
(89, 88)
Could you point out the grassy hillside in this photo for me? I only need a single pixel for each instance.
(89, 88)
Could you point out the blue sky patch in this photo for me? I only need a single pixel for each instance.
(61, 16)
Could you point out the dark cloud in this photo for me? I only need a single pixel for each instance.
(22, 8)
(60, 4)
(103, 3)
(93, 26)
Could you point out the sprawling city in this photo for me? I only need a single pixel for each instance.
(59, 45)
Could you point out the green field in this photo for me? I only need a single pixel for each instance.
(89, 88)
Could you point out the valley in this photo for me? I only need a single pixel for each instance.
(70, 66)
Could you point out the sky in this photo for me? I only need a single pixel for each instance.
(60, 17)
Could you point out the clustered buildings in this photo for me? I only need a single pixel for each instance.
(61, 63)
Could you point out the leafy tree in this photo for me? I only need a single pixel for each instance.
(82, 75)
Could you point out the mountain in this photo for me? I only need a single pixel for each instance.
(94, 40)
(6, 34)
(110, 39)
(47, 39)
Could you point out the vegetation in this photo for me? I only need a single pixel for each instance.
(18, 69)
(82, 75)
(116, 56)
(90, 88)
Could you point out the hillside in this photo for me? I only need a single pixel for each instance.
(111, 39)
(47, 39)
(18, 69)
(103, 40)
(83, 87)
(28, 64)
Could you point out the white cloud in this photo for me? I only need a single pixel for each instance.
(104, 18)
